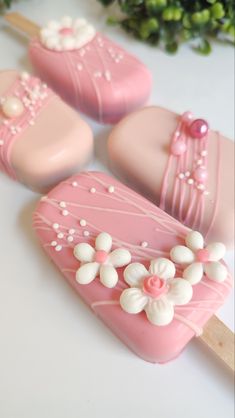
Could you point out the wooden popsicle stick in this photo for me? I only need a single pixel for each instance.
(220, 339)
(25, 25)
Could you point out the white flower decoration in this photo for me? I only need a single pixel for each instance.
(66, 35)
(200, 259)
(99, 261)
(155, 291)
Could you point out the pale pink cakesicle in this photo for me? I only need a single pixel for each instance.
(150, 279)
(89, 71)
(42, 139)
(181, 165)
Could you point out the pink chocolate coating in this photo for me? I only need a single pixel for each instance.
(139, 149)
(100, 79)
(131, 220)
(57, 144)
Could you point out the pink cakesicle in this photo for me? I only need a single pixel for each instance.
(181, 165)
(42, 140)
(140, 271)
(88, 70)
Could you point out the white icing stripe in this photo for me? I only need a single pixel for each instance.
(197, 330)
(104, 303)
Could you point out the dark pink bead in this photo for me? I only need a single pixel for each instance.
(198, 129)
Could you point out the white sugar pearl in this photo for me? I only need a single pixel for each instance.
(82, 222)
(86, 233)
(70, 238)
(58, 248)
(53, 243)
(107, 75)
(24, 76)
(62, 204)
(144, 244)
(190, 181)
(201, 187)
(111, 189)
(74, 184)
(181, 176)
(60, 235)
(12, 107)
(199, 162)
(206, 192)
(1, 142)
(72, 231)
(55, 226)
(93, 190)
(187, 174)
(204, 153)
(65, 212)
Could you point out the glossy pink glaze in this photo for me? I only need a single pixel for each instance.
(130, 220)
(101, 79)
(54, 146)
(140, 148)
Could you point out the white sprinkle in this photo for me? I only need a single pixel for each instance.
(65, 212)
(181, 176)
(187, 174)
(70, 238)
(32, 122)
(43, 198)
(86, 233)
(190, 181)
(111, 189)
(177, 134)
(199, 162)
(72, 231)
(1, 142)
(204, 153)
(144, 244)
(82, 222)
(62, 204)
(58, 248)
(24, 76)
(60, 235)
(92, 190)
(201, 187)
(44, 85)
(107, 75)
(55, 226)
(74, 183)
(206, 192)
(53, 243)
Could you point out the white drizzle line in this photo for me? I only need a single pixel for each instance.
(104, 303)
(190, 324)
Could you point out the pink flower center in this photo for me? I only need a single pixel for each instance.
(203, 255)
(101, 256)
(154, 286)
(66, 31)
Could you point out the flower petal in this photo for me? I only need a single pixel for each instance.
(133, 300)
(180, 292)
(160, 311)
(216, 271)
(120, 257)
(193, 273)
(163, 268)
(108, 276)
(216, 250)
(135, 273)
(194, 240)
(87, 273)
(182, 255)
(84, 252)
(103, 242)
(66, 21)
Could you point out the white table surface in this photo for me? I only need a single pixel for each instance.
(57, 360)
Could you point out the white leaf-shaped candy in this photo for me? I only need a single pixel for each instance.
(193, 273)
(216, 250)
(160, 311)
(133, 301)
(135, 273)
(216, 271)
(108, 276)
(66, 21)
(163, 268)
(120, 257)
(87, 273)
(182, 255)
(194, 240)
(84, 252)
(103, 242)
(180, 292)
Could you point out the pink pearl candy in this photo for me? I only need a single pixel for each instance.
(200, 174)
(198, 129)
(178, 148)
(187, 117)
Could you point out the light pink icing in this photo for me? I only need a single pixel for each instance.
(130, 220)
(99, 79)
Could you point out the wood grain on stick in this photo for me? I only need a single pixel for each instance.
(23, 24)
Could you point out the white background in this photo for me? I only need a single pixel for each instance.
(57, 360)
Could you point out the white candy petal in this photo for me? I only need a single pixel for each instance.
(135, 273)
(182, 255)
(216, 250)
(53, 25)
(194, 240)
(108, 276)
(180, 292)
(163, 268)
(68, 43)
(120, 257)
(133, 300)
(66, 21)
(216, 271)
(104, 242)
(193, 273)
(160, 311)
(84, 252)
(87, 273)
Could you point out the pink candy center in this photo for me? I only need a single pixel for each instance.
(154, 286)
(198, 129)
(66, 31)
(203, 255)
(101, 256)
